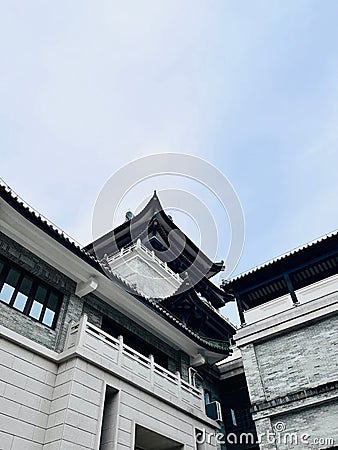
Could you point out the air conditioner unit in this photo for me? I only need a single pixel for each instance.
(213, 411)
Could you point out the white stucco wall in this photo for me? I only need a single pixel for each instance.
(58, 405)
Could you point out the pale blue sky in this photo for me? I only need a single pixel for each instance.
(250, 86)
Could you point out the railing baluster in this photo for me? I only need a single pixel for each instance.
(81, 330)
(69, 330)
(120, 354)
(179, 386)
(152, 369)
(78, 330)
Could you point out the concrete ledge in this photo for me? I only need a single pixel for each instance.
(297, 406)
(26, 343)
(331, 388)
(231, 366)
(96, 360)
(287, 320)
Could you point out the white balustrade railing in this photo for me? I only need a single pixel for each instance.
(115, 355)
(150, 253)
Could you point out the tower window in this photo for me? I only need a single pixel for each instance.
(233, 417)
(27, 294)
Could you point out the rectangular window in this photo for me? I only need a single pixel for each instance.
(21, 297)
(6, 293)
(38, 302)
(233, 417)
(11, 278)
(207, 397)
(51, 308)
(28, 295)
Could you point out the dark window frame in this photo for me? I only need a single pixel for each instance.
(36, 283)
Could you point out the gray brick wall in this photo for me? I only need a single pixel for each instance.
(24, 325)
(183, 364)
(35, 265)
(314, 428)
(299, 359)
(292, 380)
(252, 372)
(71, 311)
(72, 308)
(265, 434)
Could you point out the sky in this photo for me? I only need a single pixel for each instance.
(249, 86)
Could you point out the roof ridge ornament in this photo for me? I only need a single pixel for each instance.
(129, 216)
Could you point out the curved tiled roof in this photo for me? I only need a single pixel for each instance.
(152, 212)
(281, 257)
(287, 273)
(10, 197)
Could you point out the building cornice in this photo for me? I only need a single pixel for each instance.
(330, 389)
(50, 243)
(295, 317)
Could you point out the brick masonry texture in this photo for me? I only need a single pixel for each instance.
(252, 373)
(35, 265)
(292, 379)
(14, 320)
(38, 431)
(300, 359)
(72, 309)
(314, 428)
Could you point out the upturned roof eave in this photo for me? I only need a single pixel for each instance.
(59, 236)
(153, 210)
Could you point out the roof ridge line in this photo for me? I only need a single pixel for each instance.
(33, 210)
(282, 256)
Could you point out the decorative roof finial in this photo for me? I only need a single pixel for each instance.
(129, 216)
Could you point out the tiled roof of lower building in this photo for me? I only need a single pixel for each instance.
(37, 219)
